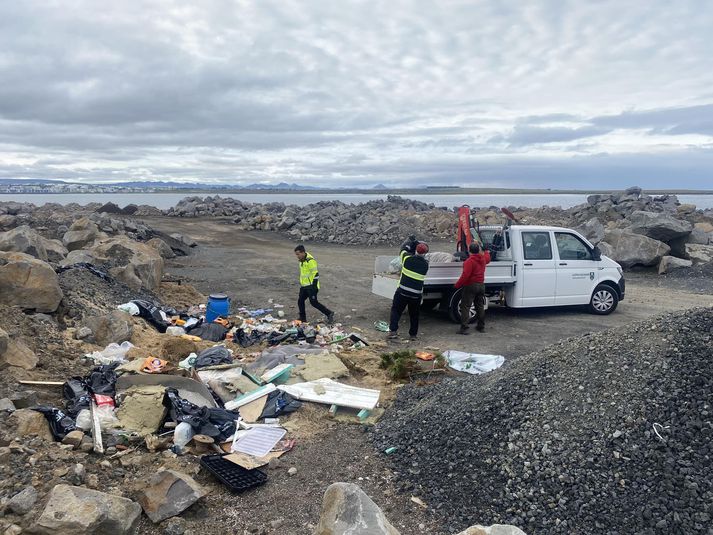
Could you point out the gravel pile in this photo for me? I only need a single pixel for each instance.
(606, 433)
(380, 221)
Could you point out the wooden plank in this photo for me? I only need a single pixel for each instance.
(42, 383)
(363, 414)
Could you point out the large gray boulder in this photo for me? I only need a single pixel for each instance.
(659, 226)
(162, 247)
(631, 249)
(81, 234)
(28, 282)
(699, 254)
(698, 237)
(81, 511)
(78, 256)
(17, 354)
(347, 510)
(168, 494)
(114, 327)
(145, 261)
(671, 263)
(56, 252)
(23, 240)
(593, 230)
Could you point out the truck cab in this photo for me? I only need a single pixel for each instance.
(532, 266)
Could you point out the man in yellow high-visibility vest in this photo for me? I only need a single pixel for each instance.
(309, 285)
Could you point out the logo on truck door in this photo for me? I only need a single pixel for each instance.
(583, 275)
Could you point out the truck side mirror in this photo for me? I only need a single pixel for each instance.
(596, 254)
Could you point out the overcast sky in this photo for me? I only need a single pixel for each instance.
(561, 94)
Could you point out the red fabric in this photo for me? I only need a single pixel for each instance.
(474, 269)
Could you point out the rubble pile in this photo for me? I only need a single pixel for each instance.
(368, 223)
(605, 433)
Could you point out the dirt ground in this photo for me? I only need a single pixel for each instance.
(254, 267)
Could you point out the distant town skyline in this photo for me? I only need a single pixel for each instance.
(492, 94)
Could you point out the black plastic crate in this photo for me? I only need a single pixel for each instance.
(233, 476)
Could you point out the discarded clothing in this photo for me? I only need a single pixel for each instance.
(279, 402)
(213, 422)
(213, 356)
(473, 363)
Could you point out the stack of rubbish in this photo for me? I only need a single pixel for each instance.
(221, 402)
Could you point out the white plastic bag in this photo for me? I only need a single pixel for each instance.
(175, 331)
(473, 363)
(111, 353)
(130, 308)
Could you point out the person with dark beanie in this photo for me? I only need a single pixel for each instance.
(409, 293)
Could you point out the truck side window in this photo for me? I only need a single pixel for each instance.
(537, 245)
(570, 247)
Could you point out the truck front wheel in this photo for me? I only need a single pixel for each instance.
(454, 308)
(604, 300)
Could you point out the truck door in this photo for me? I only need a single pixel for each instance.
(577, 271)
(539, 275)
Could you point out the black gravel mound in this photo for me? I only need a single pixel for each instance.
(607, 433)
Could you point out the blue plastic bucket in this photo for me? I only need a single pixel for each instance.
(218, 305)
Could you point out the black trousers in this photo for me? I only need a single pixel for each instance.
(310, 293)
(397, 309)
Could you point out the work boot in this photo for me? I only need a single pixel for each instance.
(303, 319)
(330, 318)
(480, 328)
(393, 335)
(413, 338)
(463, 329)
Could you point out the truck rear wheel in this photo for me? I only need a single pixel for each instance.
(454, 308)
(604, 300)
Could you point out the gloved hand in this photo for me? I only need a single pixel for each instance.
(410, 244)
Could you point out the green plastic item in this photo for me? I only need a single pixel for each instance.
(389, 451)
(381, 326)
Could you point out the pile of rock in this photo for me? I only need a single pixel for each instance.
(605, 433)
(382, 221)
(640, 230)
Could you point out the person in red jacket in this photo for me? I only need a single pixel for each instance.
(472, 281)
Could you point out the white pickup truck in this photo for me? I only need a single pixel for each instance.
(534, 266)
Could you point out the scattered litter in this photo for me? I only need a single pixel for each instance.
(278, 374)
(111, 353)
(381, 326)
(333, 393)
(258, 441)
(250, 396)
(130, 308)
(424, 355)
(418, 501)
(233, 476)
(153, 365)
(473, 363)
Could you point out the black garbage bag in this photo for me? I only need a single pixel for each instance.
(213, 356)
(279, 402)
(152, 314)
(213, 422)
(247, 340)
(213, 332)
(86, 265)
(77, 396)
(60, 423)
(102, 379)
(278, 337)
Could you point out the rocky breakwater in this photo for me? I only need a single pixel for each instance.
(374, 222)
(636, 229)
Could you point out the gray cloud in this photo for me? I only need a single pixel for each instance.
(529, 135)
(342, 93)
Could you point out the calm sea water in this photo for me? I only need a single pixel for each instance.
(166, 200)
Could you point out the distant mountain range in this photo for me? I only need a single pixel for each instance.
(157, 184)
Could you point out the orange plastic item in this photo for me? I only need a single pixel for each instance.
(153, 365)
(424, 355)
